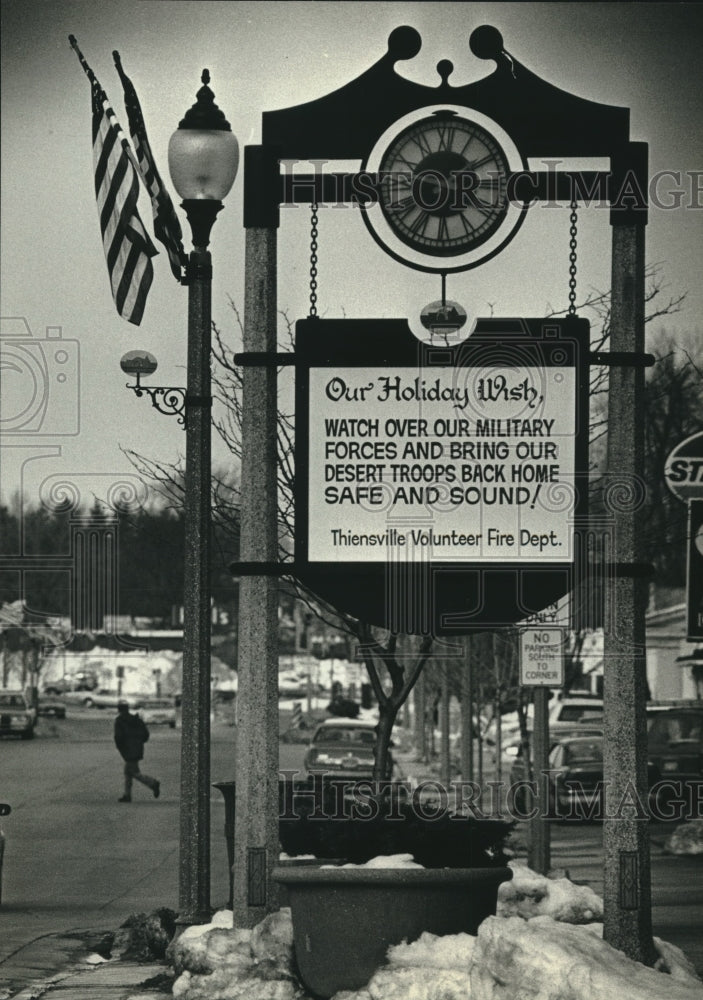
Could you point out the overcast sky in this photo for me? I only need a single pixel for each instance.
(264, 56)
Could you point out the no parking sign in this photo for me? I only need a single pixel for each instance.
(542, 657)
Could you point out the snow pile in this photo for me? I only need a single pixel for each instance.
(452, 951)
(95, 959)
(672, 960)
(515, 959)
(413, 983)
(530, 895)
(534, 949)
(190, 950)
(220, 962)
(686, 839)
(542, 959)
(538, 947)
(383, 861)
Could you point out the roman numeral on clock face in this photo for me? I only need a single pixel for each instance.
(446, 137)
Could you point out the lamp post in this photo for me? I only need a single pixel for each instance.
(203, 157)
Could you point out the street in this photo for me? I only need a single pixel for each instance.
(76, 858)
(677, 882)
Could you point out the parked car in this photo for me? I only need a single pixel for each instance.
(675, 742)
(83, 680)
(51, 707)
(576, 777)
(158, 711)
(343, 748)
(292, 685)
(580, 708)
(557, 732)
(104, 698)
(17, 717)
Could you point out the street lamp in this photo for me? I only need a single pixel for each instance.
(203, 157)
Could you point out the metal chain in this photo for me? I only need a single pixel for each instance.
(313, 259)
(573, 219)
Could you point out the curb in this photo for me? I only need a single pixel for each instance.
(132, 980)
(42, 959)
(56, 963)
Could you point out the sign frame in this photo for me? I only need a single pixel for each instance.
(451, 597)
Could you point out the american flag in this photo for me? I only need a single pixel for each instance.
(167, 228)
(128, 248)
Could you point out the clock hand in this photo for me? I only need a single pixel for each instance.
(480, 162)
(405, 204)
(421, 140)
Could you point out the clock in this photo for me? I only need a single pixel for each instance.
(443, 194)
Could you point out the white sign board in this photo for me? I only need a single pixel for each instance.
(473, 466)
(542, 657)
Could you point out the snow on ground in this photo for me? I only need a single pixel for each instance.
(383, 861)
(540, 946)
(530, 895)
(686, 839)
(516, 959)
(453, 951)
(217, 961)
(542, 959)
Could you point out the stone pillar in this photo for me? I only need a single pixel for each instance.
(256, 817)
(627, 885)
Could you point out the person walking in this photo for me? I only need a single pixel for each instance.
(131, 734)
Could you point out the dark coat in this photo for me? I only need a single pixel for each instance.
(131, 734)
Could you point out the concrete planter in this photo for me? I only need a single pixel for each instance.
(344, 919)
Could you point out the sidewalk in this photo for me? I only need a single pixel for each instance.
(55, 965)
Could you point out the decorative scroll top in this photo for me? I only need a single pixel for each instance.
(542, 119)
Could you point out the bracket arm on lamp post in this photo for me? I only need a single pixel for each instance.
(171, 400)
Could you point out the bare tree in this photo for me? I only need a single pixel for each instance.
(26, 641)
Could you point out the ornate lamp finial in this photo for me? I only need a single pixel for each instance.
(205, 114)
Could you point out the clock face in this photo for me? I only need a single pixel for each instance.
(443, 185)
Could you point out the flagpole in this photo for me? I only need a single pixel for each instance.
(167, 227)
(81, 59)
